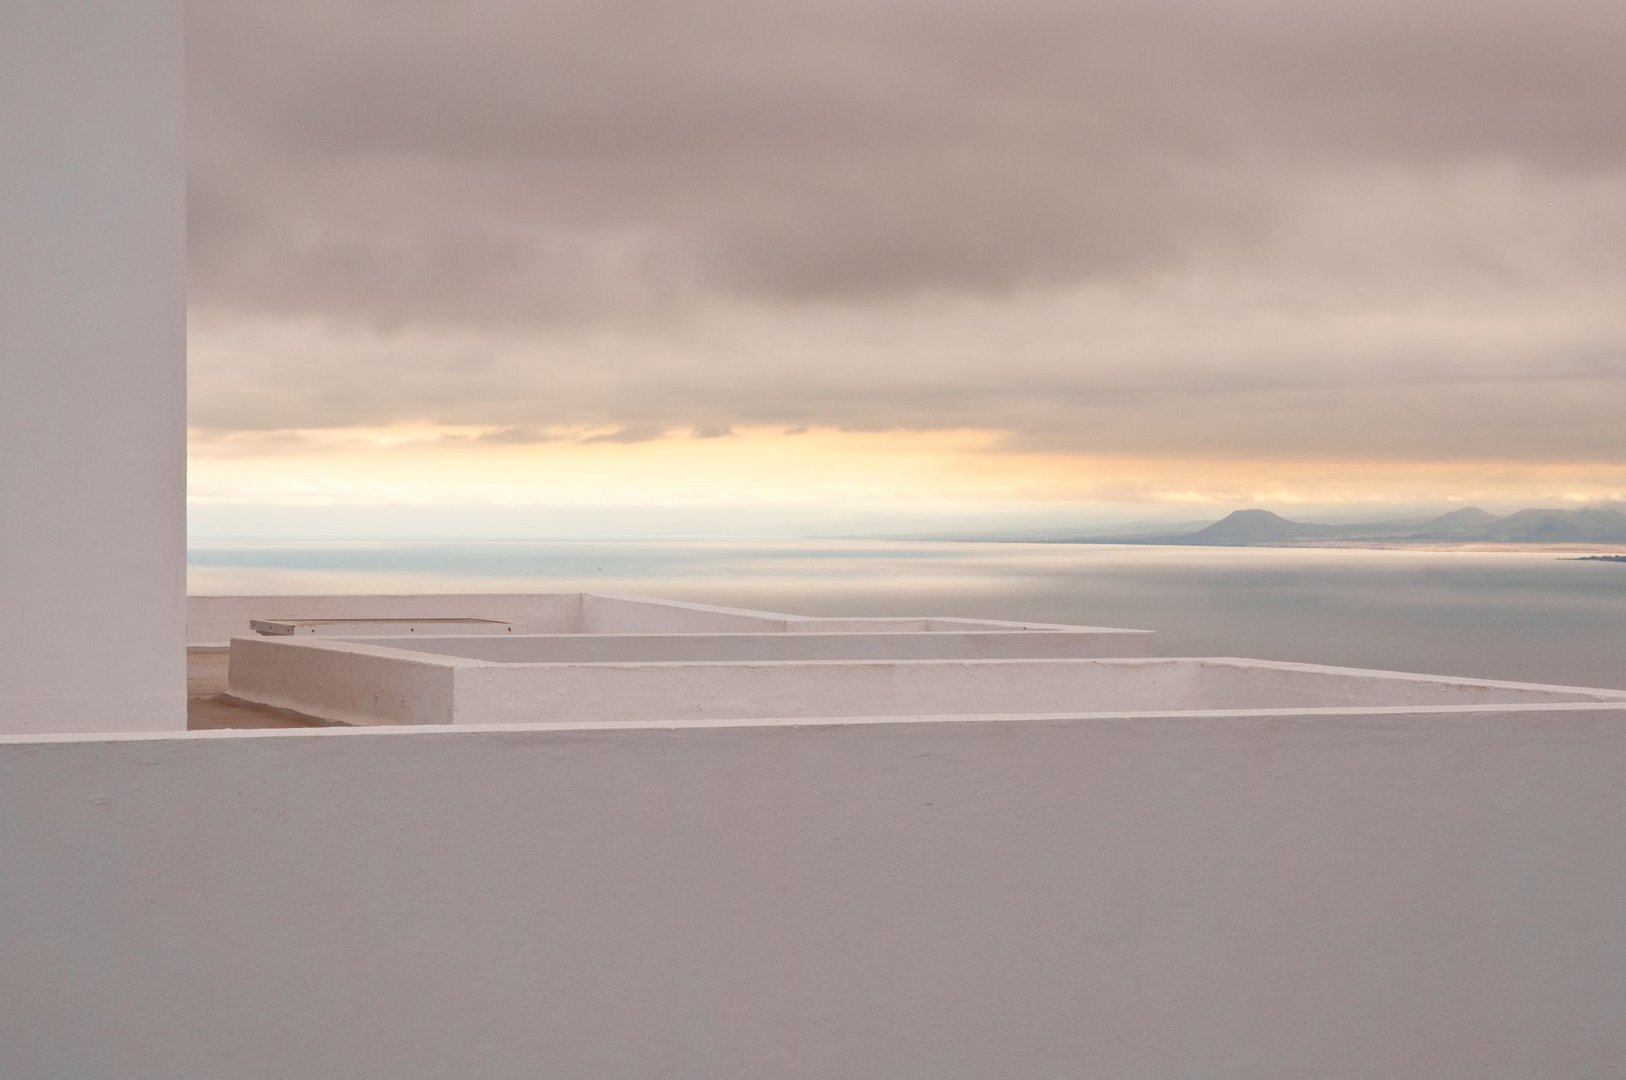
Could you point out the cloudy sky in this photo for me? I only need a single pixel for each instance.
(861, 259)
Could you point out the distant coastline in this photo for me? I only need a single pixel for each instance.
(1590, 531)
(1607, 551)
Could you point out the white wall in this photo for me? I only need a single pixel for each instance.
(1409, 897)
(215, 620)
(615, 613)
(92, 365)
(873, 645)
(212, 621)
(513, 694)
(378, 683)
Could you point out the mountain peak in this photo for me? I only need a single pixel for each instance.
(1254, 526)
(1469, 517)
(1598, 524)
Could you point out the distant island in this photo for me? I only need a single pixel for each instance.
(1598, 558)
(1469, 525)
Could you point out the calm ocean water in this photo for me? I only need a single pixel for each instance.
(1523, 616)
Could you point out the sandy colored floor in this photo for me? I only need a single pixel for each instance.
(217, 713)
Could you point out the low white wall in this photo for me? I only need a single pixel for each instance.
(613, 613)
(1286, 685)
(613, 648)
(360, 685)
(516, 694)
(813, 625)
(312, 676)
(215, 620)
(1408, 897)
(798, 689)
(998, 624)
(212, 621)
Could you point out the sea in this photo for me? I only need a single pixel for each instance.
(1524, 616)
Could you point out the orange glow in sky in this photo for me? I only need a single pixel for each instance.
(427, 465)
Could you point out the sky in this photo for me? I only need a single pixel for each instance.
(693, 265)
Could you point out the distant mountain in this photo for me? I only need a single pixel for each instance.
(1246, 527)
(1469, 517)
(1256, 527)
(1591, 526)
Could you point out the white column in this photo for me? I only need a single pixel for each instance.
(92, 366)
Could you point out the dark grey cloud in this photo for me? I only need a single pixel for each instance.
(1350, 227)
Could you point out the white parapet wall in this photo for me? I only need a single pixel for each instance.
(212, 621)
(92, 366)
(800, 645)
(521, 680)
(1338, 896)
(599, 627)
